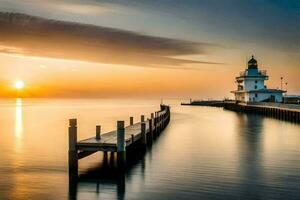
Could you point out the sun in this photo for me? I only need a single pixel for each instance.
(19, 85)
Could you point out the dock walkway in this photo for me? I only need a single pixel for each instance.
(286, 112)
(281, 113)
(118, 140)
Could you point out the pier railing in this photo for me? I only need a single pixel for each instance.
(124, 137)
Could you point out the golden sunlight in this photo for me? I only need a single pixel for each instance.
(19, 85)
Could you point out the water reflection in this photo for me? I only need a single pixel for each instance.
(205, 153)
(107, 174)
(250, 129)
(18, 122)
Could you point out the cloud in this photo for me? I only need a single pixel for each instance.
(42, 37)
(269, 23)
(84, 8)
(11, 50)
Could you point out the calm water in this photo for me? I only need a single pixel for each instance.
(205, 153)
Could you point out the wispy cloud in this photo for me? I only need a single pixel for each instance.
(12, 50)
(59, 39)
(86, 7)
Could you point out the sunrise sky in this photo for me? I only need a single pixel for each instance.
(139, 48)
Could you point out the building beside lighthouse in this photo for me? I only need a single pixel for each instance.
(251, 86)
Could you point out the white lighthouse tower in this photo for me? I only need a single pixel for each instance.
(251, 86)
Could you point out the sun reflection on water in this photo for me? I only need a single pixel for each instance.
(19, 119)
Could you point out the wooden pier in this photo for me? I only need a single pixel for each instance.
(212, 103)
(281, 113)
(120, 140)
(286, 112)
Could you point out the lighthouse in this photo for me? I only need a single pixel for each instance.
(251, 86)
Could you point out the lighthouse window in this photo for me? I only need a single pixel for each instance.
(255, 87)
(255, 81)
(255, 95)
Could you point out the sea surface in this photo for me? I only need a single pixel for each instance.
(204, 153)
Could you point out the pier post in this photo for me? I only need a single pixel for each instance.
(154, 126)
(290, 117)
(160, 122)
(132, 138)
(150, 130)
(142, 118)
(163, 120)
(293, 116)
(98, 132)
(73, 157)
(143, 133)
(131, 121)
(121, 148)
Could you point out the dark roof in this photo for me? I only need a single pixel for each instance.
(252, 63)
(252, 60)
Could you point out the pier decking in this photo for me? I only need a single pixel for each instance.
(118, 140)
(281, 113)
(286, 112)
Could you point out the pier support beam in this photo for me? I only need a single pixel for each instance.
(121, 147)
(142, 118)
(73, 157)
(154, 125)
(150, 130)
(98, 132)
(157, 131)
(143, 133)
(131, 121)
(160, 122)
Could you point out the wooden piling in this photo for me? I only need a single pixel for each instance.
(132, 138)
(142, 118)
(154, 125)
(73, 157)
(150, 130)
(143, 133)
(98, 132)
(121, 150)
(160, 122)
(293, 117)
(289, 115)
(131, 121)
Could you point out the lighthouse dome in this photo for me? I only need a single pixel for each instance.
(252, 63)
